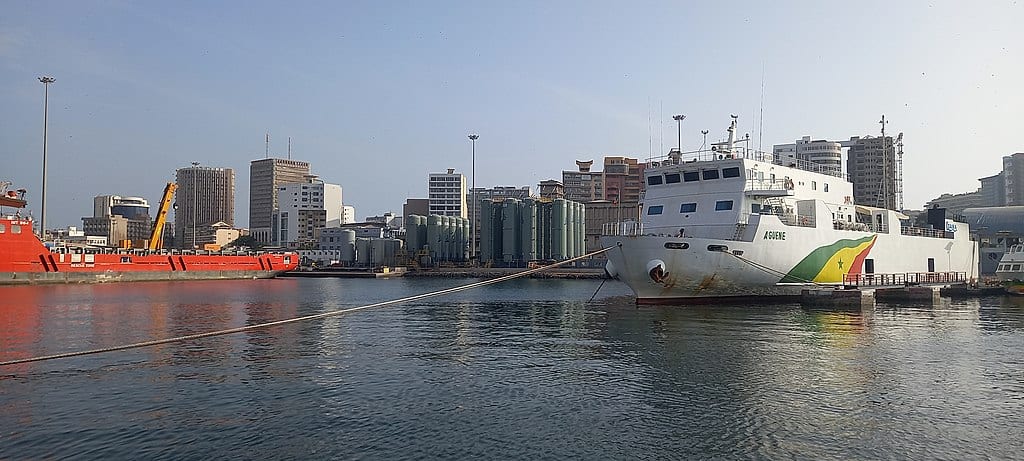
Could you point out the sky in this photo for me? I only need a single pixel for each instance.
(377, 95)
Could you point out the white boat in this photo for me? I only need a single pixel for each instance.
(732, 223)
(1011, 270)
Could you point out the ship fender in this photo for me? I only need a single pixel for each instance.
(656, 270)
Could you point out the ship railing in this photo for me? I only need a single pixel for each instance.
(625, 228)
(791, 219)
(904, 279)
(717, 152)
(923, 232)
(860, 227)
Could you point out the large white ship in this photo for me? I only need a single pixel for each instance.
(733, 223)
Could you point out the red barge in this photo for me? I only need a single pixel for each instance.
(25, 260)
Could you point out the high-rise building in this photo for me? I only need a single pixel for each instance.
(303, 208)
(551, 189)
(119, 218)
(817, 155)
(447, 194)
(265, 176)
(205, 196)
(871, 167)
(622, 179)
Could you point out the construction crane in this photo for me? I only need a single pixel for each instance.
(156, 239)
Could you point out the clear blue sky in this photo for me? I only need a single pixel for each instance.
(376, 95)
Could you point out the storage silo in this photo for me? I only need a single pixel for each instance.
(528, 229)
(486, 252)
(411, 235)
(570, 229)
(466, 236)
(581, 236)
(377, 252)
(558, 229)
(509, 226)
(544, 230)
(348, 247)
(433, 236)
(362, 252)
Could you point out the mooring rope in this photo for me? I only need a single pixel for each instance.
(301, 319)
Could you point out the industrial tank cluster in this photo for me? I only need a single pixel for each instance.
(437, 238)
(367, 252)
(514, 232)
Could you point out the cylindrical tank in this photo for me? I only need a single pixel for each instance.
(421, 231)
(362, 252)
(434, 235)
(509, 225)
(377, 252)
(528, 227)
(581, 237)
(558, 229)
(570, 229)
(348, 247)
(486, 237)
(411, 234)
(544, 230)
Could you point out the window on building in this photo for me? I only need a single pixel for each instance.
(710, 174)
(814, 185)
(690, 176)
(723, 205)
(655, 209)
(688, 208)
(654, 180)
(731, 172)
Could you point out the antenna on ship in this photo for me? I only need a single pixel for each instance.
(760, 118)
(289, 148)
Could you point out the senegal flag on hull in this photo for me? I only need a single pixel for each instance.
(828, 264)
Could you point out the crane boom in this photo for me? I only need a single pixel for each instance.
(156, 239)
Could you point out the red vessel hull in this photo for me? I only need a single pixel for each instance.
(25, 260)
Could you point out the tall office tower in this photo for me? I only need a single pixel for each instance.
(205, 196)
(818, 155)
(265, 176)
(447, 194)
(871, 166)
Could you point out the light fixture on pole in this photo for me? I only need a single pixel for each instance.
(195, 201)
(705, 143)
(473, 217)
(46, 81)
(679, 131)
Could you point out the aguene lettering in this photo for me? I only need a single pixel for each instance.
(774, 235)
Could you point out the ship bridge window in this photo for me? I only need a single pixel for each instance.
(654, 180)
(690, 176)
(671, 178)
(3, 229)
(731, 172)
(655, 209)
(710, 174)
(688, 208)
(15, 229)
(723, 205)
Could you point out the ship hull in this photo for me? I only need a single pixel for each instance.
(661, 269)
(110, 276)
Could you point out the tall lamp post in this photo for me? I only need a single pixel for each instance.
(46, 81)
(679, 131)
(195, 201)
(472, 224)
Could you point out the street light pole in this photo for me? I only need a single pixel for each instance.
(679, 131)
(195, 201)
(473, 216)
(46, 81)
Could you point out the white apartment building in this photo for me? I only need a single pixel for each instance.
(828, 155)
(305, 208)
(447, 194)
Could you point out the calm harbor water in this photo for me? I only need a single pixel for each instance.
(529, 369)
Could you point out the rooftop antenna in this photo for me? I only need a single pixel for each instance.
(760, 118)
(267, 154)
(289, 148)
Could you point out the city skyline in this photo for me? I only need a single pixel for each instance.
(376, 97)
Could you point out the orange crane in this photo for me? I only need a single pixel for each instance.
(156, 239)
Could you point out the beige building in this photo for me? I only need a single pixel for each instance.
(265, 177)
(205, 196)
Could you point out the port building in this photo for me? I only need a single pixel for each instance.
(265, 176)
(205, 196)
